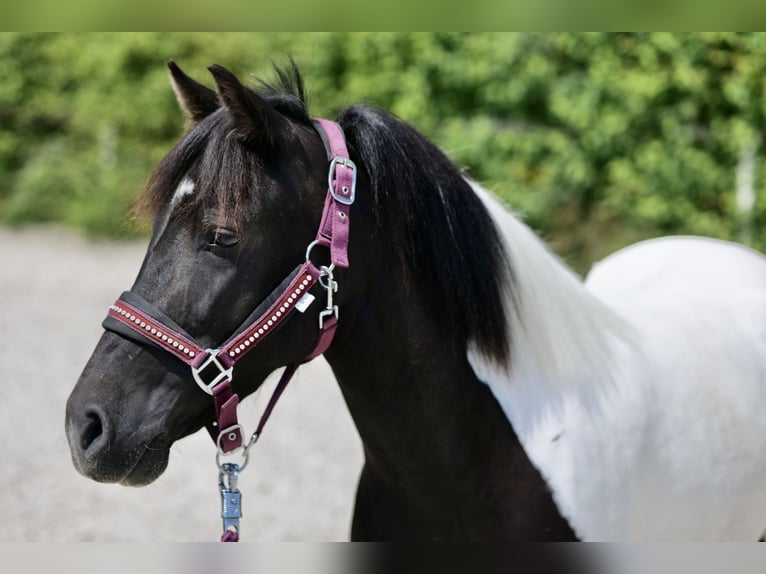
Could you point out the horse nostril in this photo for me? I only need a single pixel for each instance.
(94, 428)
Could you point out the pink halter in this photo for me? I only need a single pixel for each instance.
(212, 369)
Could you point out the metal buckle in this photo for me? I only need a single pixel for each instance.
(350, 194)
(222, 372)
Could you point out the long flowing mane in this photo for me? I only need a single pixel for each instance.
(445, 243)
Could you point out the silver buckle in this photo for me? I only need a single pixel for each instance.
(223, 373)
(350, 194)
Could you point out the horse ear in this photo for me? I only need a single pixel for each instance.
(197, 101)
(257, 122)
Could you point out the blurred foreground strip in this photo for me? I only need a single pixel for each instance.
(303, 558)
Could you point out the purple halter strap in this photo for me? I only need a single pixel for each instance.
(132, 317)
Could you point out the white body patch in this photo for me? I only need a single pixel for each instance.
(186, 187)
(641, 394)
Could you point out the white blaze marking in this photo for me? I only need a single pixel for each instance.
(186, 187)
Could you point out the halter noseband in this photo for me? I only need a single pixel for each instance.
(134, 318)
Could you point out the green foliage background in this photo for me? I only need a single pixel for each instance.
(598, 140)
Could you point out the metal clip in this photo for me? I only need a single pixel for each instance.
(330, 286)
(231, 497)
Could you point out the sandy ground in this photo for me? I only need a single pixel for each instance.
(300, 483)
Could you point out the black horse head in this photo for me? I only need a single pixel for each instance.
(235, 203)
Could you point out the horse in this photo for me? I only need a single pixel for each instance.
(496, 394)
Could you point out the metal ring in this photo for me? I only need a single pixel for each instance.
(245, 449)
(308, 254)
(245, 459)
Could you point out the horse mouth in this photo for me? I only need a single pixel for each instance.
(150, 465)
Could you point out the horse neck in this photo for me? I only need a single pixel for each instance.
(425, 420)
(414, 393)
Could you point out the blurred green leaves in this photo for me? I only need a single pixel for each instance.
(597, 139)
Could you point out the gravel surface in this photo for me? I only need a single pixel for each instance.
(55, 288)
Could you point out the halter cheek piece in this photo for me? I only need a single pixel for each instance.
(134, 318)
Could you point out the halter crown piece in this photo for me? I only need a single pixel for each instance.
(134, 318)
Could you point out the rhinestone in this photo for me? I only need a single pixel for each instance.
(305, 282)
(231, 353)
(290, 299)
(159, 333)
(279, 313)
(154, 331)
(122, 312)
(273, 318)
(247, 342)
(164, 337)
(143, 324)
(256, 335)
(252, 338)
(308, 277)
(242, 347)
(191, 353)
(270, 322)
(170, 340)
(260, 331)
(265, 327)
(237, 350)
(175, 343)
(186, 350)
(301, 287)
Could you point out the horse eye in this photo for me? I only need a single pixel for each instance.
(222, 238)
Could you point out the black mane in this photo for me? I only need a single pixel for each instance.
(446, 243)
(447, 246)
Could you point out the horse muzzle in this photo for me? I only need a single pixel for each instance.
(102, 453)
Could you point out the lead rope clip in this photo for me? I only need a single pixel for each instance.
(326, 279)
(231, 501)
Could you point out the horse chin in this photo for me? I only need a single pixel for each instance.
(149, 467)
(139, 468)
